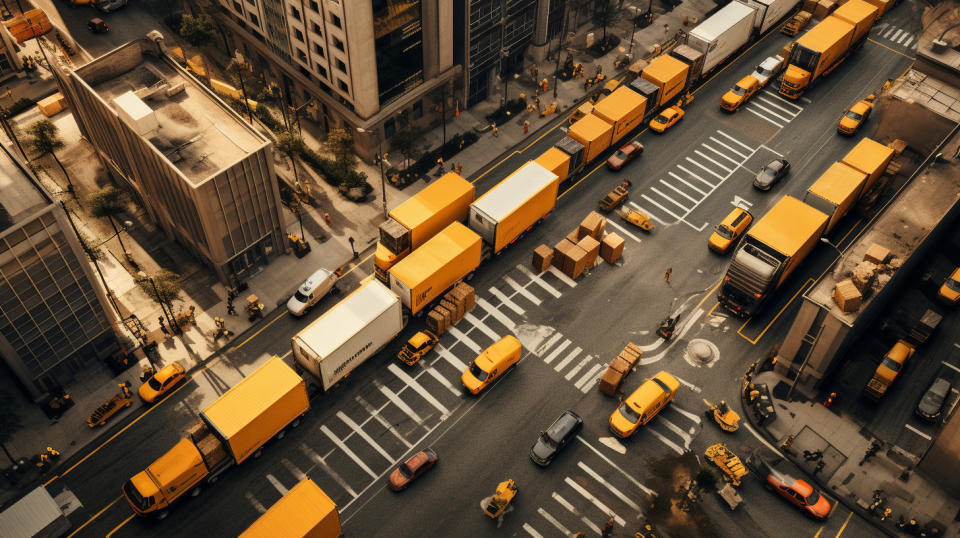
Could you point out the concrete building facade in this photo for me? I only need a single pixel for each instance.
(377, 65)
(55, 319)
(203, 174)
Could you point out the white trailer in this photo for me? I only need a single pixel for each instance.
(770, 12)
(720, 36)
(345, 336)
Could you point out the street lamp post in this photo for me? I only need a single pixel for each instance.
(563, 33)
(383, 183)
(630, 50)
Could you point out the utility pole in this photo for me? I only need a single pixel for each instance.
(503, 50)
(383, 183)
(443, 110)
(560, 39)
(241, 67)
(93, 258)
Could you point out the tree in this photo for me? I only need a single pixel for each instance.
(340, 144)
(9, 421)
(290, 144)
(198, 30)
(163, 287)
(46, 141)
(108, 203)
(604, 15)
(407, 142)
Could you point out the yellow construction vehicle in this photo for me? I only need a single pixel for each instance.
(417, 347)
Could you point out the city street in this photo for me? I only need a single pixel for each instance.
(688, 179)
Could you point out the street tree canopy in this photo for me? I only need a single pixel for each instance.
(197, 30)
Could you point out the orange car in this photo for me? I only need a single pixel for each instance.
(161, 383)
(800, 493)
(412, 469)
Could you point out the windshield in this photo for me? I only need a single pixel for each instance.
(134, 496)
(662, 118)
(300, 297)
(953, 284)
(547, 440)
(154, 384)
(405, 471)
(724, 232)
(853, 115)
(737, 90)
(891, 364)
(763, 71)
(620, 155)
(628, 413)
(813, 498)
(477, 372)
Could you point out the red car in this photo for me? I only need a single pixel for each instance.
(800, 493)
(410, 470)
(624, 155)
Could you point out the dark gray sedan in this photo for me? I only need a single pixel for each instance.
(771, 174)
(931, 404)
(562, 431)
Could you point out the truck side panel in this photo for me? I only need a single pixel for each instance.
(860, 14)
(870, 157)
(623, 109)
(526, 215)
(801, 254)
(305, 511)
(771, 12)
(362, 345)
(668, 74)
(436, 206)
(594, 133)
(835, 192)
(555, 160)
(840, 37)
(440, 263)
(723, 33)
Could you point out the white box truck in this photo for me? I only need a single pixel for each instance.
(769, 12)
(345, 336)
(721, 35)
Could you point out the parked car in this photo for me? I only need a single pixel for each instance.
(550, 442)
(666, 119)
(855, 116)
(109, 6)
(729, 230)
(624, 155)
(97, 26)
(798, 492)
(771, 174)
(768, 70)
(161, 383)
(412, 469)
(950, 290)
(932, 402)
(739, 94)
(311, 291)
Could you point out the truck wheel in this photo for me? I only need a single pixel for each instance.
(295, 423)
(163, 515)
(281, 434)
(195, 491)
(213, 479)
(258, 453)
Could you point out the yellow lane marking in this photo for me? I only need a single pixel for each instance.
(494, 167)
(772, 321)
(709, 293)
(95, 516)
(832, 508)
(844, 525)
(817, 535)
(852, 228)
(893, 51)
(539, 138)
(125, 521)
(585, 176)
(260, 330)
(363, 261)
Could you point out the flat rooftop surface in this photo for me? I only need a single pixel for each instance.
(196, 132)
(20, 196)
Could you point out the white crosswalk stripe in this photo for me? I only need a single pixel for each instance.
(496, 313)
(539, 281)
(563, 364)
(476, 322)
(663, 439)
(553, 521)
(399, 403)
(623, 497)
(563, 278)
(570, 508)
(584, 384)
(769, 106)
(451, 358)
(530, 530)
(375, 413)
(327, 469)
(596, 502)
(443, 381)
(573, 371)
(556, 351)
(677, 430)
(364, 435)
(506, 301)
(276, 484)
(544, 346)
(256, 504)
(895, 36)
(464, 339)
(294, 470)
(412, 383)
(346, 450)
(521, 290)
(622, 230)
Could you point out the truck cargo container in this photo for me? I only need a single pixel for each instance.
(514, 205)
(668, 74)
(769, 12)
(769, 253)
(693, 58)
(870, 157)
(623, 109)
(35, 515)
(883, 6)
(418, 219)
(594, 133)
(305, 511)
(557, 161)
(348, 334)
(432, 269)
(576, 151)
(722, 34)
(651, 92)
(815, 54)
(229, 431)
(835, 192)
(860, 14)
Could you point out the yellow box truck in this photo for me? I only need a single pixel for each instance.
(668, 74)
(514, 206)
(815, 54)
(436, 266)
(556, 161)
(418, 219)
(228, 432)
(769, 253)
(623, 109)
(870, 157)
(305, 511)
(860, 14)
(594, 133)
(836, 191)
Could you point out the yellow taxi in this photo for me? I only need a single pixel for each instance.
(491, 364)
(739, 94)
(729, 230)
(161, 383)
(855, 116)
(666, 119)
(950, 290)
(644, 404)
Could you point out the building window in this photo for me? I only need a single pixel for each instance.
(295, 12)
(298, 34)
(341, 66)
(302, 55)
(254, 20)
(343, 86)
(319, 50)
(252, 2)
(336, 21)
(337, 43)
(303, 71)
(314, 6)
(322, 70)
(237, 7)
(418, 110)
(389, 128)
(315, 28)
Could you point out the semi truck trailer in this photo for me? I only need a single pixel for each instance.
(835, 192)
(723, 34)
(228, 432)
(305, 511)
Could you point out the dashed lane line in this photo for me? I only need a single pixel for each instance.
(596, 476)
(366, 437)
(327, 469)
(411, 382)
(596, 502)
(346, 450)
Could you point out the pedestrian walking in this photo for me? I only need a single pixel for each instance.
(495, 131)
(230, 309)
(607, 529)
(526, 126)
(543, 85)
(666, 276)
(459, 169)
(820, 465)
(162, 326)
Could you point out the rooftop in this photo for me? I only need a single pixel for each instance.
(186, 123)
(922, 89)
(20, 194)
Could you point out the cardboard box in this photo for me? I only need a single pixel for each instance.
(454, 311)
(824, 8)
(610, 382)
(578, 261)
(448, 317)
(847, 296)
(621, 365)
(592, 225)
(863, 275)
(51, 105)
(877, 254)
(592, 247)
(574, 236)
(435, 323)
(611, 248)
(561, 255)
(542, 257)
(469, 296)
(809, 5)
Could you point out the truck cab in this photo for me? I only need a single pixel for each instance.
(153, 490)
(889, 368)
(491, 364)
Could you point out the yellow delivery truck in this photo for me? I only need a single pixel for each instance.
(305, 511)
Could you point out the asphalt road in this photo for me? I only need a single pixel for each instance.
(358, 432)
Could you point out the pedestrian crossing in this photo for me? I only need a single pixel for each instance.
(672, 198)
(769, 106)
(895, 35)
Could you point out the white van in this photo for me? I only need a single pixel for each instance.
(310, 292)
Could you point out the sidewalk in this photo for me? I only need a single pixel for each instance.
(816, 427)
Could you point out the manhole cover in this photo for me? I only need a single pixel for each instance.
(701, 352)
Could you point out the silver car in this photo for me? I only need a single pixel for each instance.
(310, 292)
(768, 70)
(931, 404)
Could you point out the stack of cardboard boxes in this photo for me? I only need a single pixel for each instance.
(580, 249)
(619, 368)
(451, 309)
